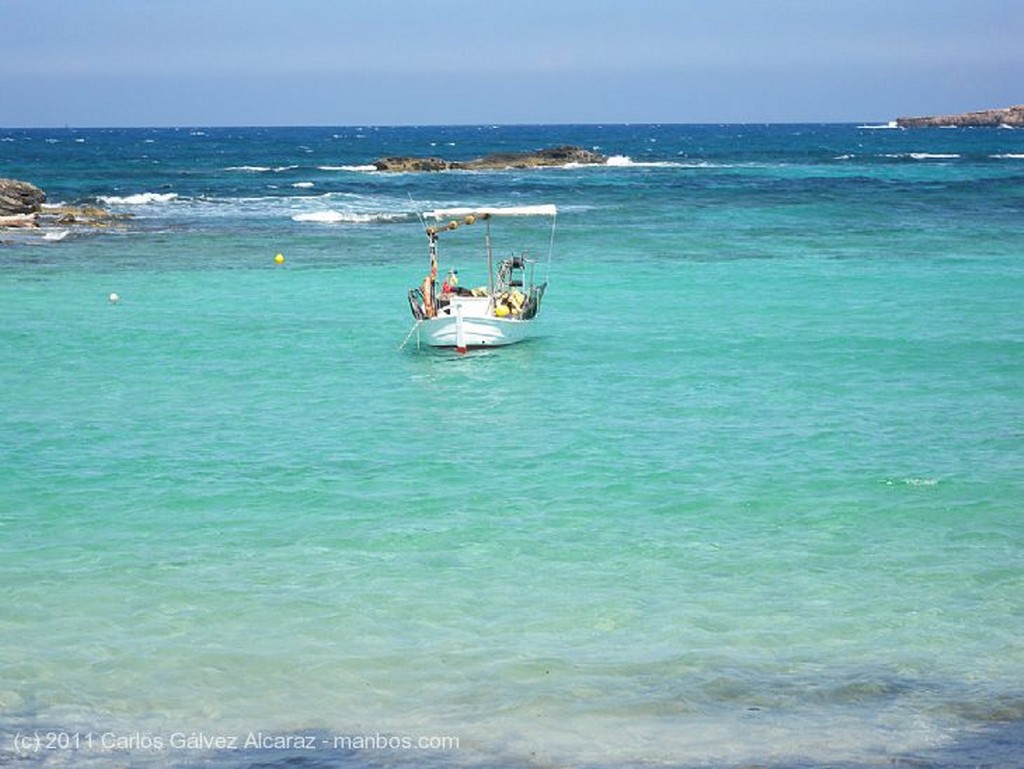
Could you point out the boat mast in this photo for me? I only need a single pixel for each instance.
(429, 282)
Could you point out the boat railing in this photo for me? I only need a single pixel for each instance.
(532, 305)
(416, 304)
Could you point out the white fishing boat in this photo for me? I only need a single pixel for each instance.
(503, 311)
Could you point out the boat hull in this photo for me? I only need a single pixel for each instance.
(476, 332)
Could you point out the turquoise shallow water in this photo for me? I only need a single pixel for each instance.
(753, 496)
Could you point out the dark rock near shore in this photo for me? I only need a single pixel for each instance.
(23, 206)
(987, 118)
(414, 164)
(18, 197)
(553, 156)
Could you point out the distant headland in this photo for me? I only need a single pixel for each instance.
(986, 118)
(553, 156)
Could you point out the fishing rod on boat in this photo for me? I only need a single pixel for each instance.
(418, 211)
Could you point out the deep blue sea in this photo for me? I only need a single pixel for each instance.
(753, 497)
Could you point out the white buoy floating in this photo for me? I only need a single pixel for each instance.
(114, 298)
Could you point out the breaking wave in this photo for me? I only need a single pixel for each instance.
(348, 217)
(923, 156)
(140, 199)
(359, 168)
(261, 169)
(625, 161)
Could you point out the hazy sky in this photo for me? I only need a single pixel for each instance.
(344, 62)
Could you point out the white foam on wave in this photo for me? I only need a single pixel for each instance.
(912, 481)
(361, 168)
(620, 160)
(303, 185)
(1008, 156)
(922, 155)
(56, 234)
(141, 199)
(347, 217)
(625, 161)
(324, 217)
(261, 169)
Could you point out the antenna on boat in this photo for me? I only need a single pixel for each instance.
(429, 282)
(418, 212)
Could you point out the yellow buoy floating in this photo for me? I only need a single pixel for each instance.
(279, 258)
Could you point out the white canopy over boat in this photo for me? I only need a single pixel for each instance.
(447, 213)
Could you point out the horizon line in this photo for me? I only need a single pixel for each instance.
(193, 126)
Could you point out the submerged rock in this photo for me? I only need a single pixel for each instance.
(90, 216)
(552, 156)
(17, 197)
(986, 118)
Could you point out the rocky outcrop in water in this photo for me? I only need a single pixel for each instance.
(89, 216)
(23, 206)
(19, 198)
(986, 118)
(553, 156)
(409, 164)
